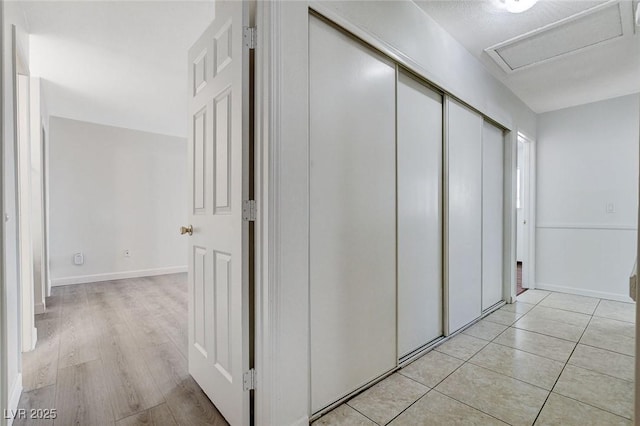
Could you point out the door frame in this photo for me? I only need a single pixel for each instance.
(24, 208)
(528, 176)
(3, 281)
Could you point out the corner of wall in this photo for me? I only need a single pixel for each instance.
(14, 397)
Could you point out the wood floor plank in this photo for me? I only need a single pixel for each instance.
(81, 396)
(122, 349)
(42, 400)
(156, 416)
(53, 309)
(162, 298)
(190, 405)
(40, 366)
(77, 338)
(57, 291)
(185, 399)
(107, 319)
(129, 381)
(145, 330)
(73, 296)
(97, 287)
(176, 328)
(166, 365)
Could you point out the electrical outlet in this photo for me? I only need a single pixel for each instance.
(78, 259)
(127, 253)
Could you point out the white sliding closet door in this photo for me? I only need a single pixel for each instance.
(419, 214)
(464, 130)
(492, 214)
(352, 214)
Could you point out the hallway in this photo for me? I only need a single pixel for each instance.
(115, 352)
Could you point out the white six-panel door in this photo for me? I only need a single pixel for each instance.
(218, 167)
(352, 214)
(419, 145)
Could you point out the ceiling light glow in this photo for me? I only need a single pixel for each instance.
(518, 6)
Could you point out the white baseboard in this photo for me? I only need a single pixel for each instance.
(39, 308)
(82, 279)
(583, 292)
(14, 398)
(34, 337)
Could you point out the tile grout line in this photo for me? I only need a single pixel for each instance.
(605, 349)
(468, 361)
(565, 366)
(591, 405)
(543, 334)
(429, 387)
(493, 340)
(548, 335)
(477, 409)
(600, 372)
(530, 353)
(412, 404)
(356, 410)
(569, 310)
(513, 378)
(502, 374)
(434, 387)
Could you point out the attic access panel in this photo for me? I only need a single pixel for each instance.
(589, 28)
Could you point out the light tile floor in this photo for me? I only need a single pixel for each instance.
(548, 359)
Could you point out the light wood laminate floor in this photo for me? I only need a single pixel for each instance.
(115, 353)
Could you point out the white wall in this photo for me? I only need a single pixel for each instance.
(587, 158)
(13, 363)
(113, 189)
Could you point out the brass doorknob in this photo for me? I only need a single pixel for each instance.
(186, 230)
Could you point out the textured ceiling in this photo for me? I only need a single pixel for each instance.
(599, 72)
(121, 63)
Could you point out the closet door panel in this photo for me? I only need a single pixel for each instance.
(464, 129)
(492, 214)
(419, 214)
(352, 214)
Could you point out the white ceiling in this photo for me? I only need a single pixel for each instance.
(121, 63)
(599, 72)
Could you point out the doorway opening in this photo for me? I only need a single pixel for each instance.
(115, 325)
(525, 213)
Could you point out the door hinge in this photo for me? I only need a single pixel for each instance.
(249, 380)
(249, 210)
(250, 37)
